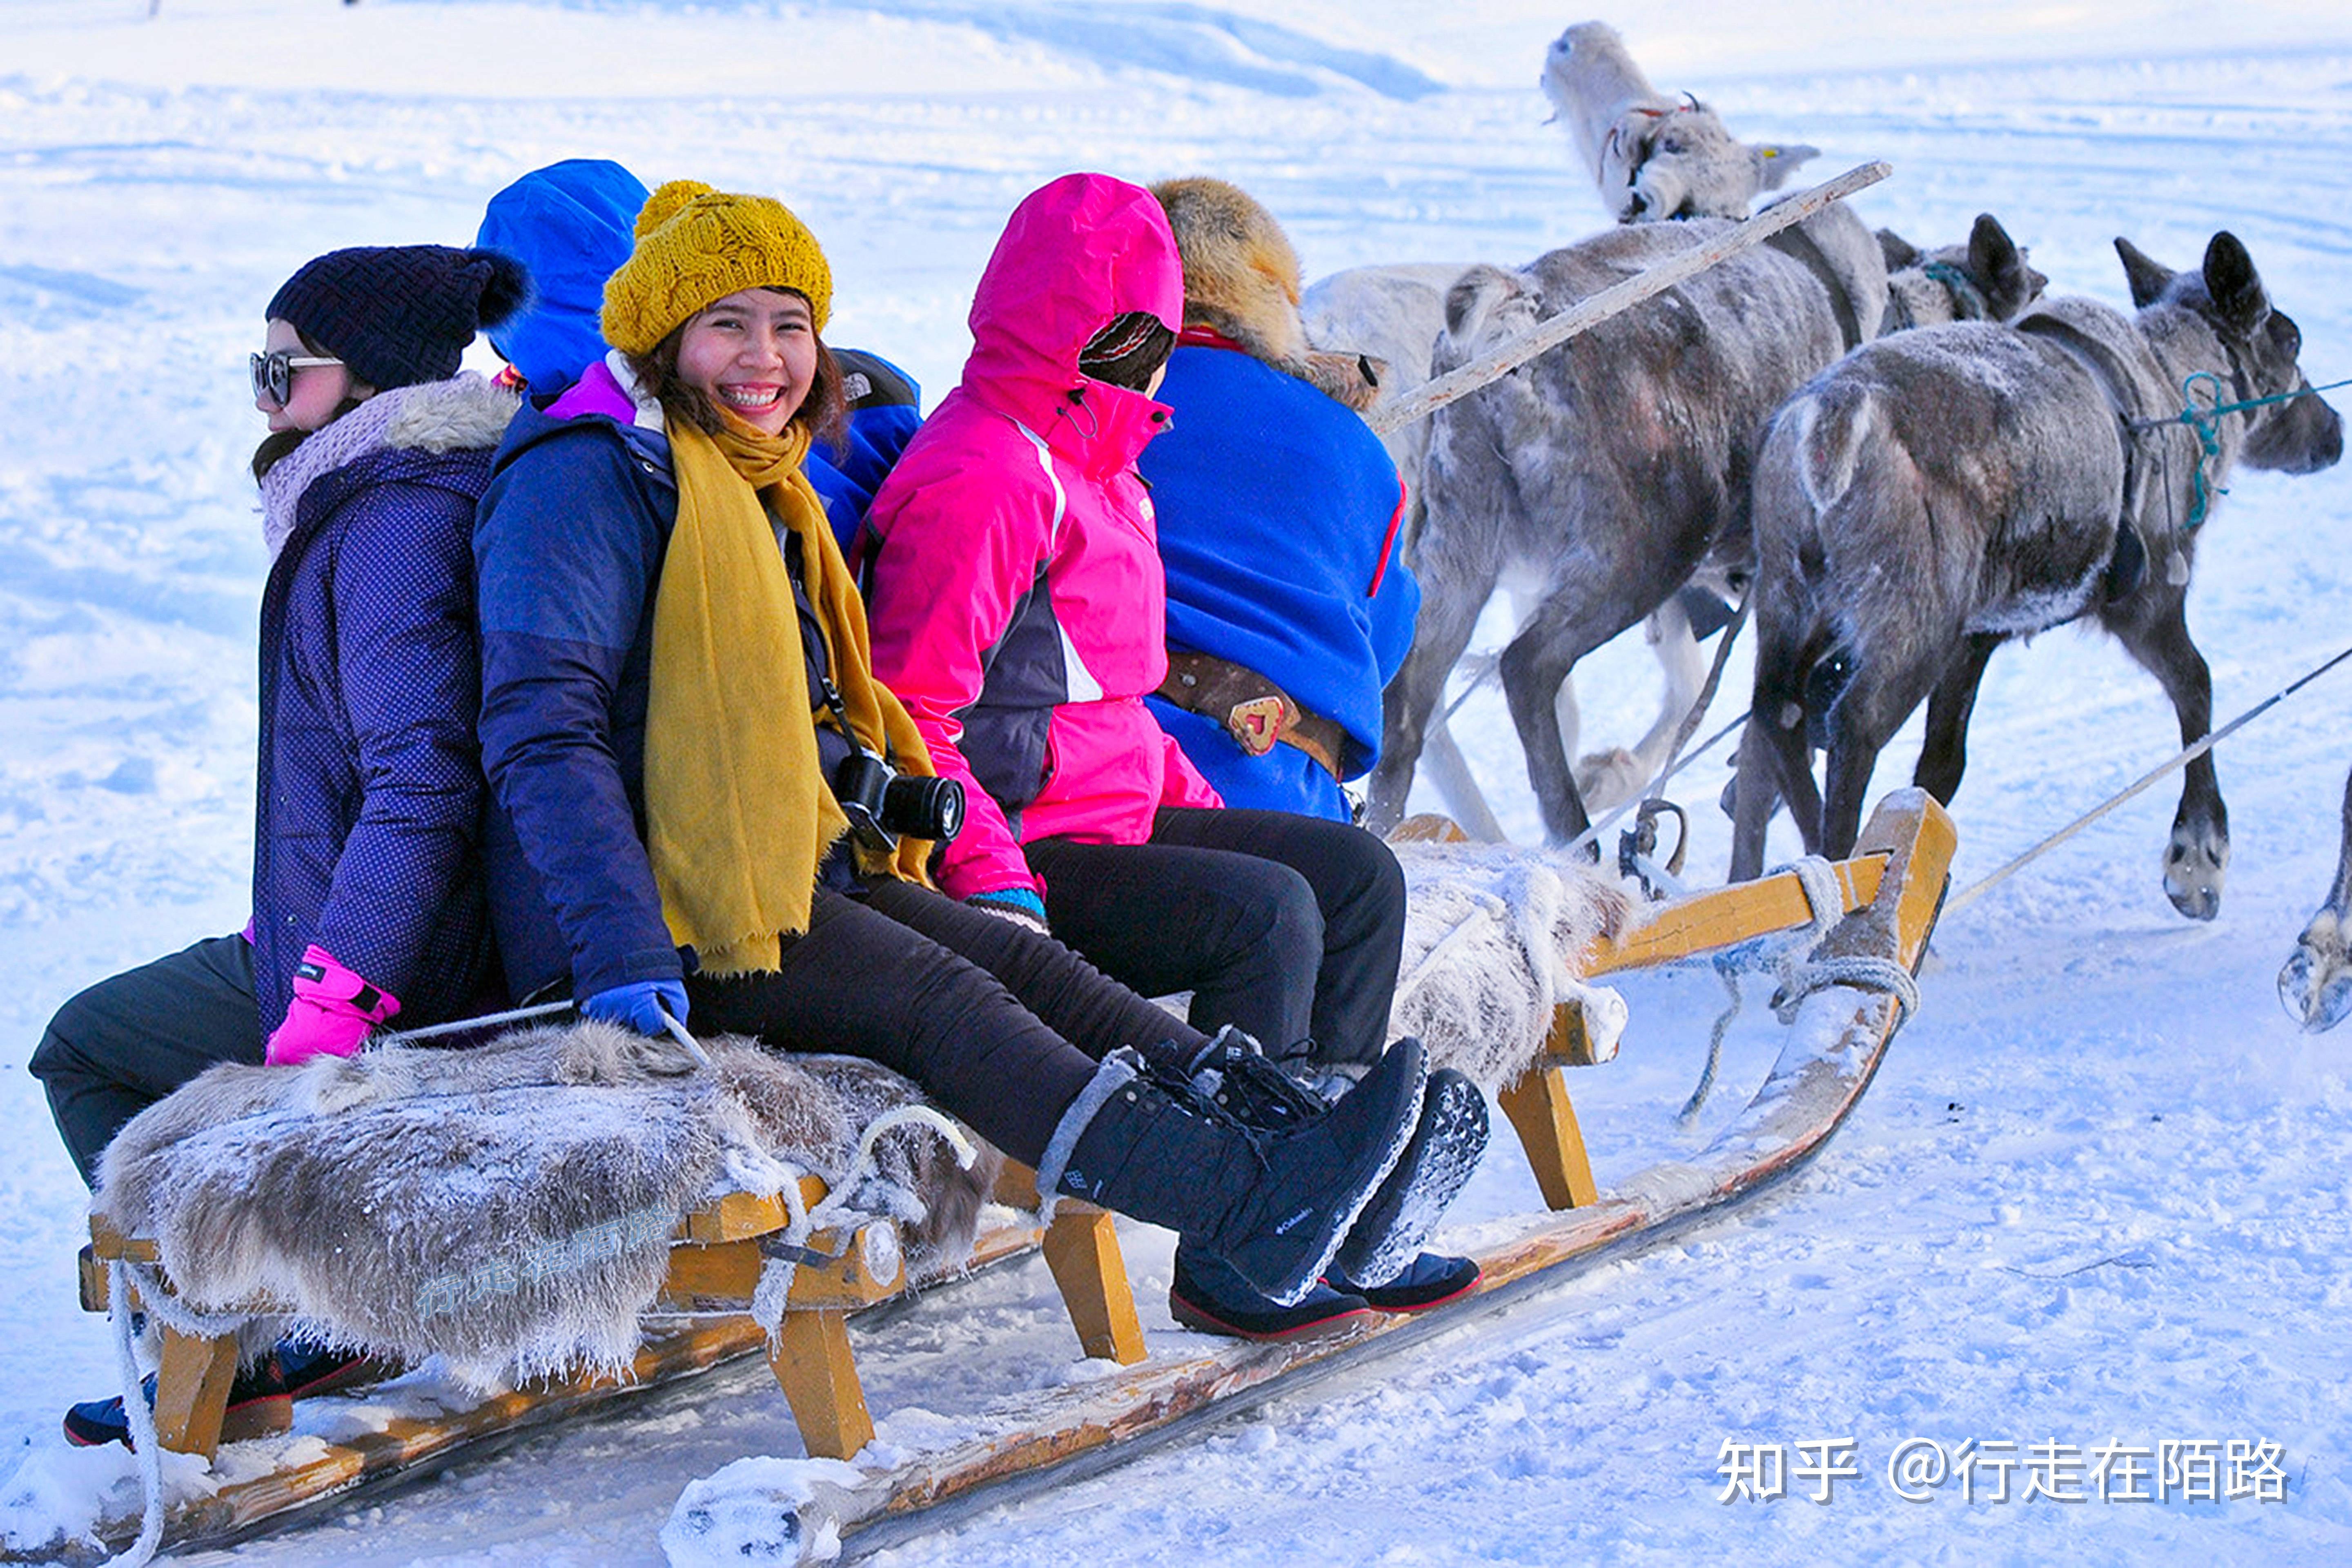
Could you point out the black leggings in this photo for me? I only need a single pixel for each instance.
(999, 1026)
(130, 1040)
(1285, 925)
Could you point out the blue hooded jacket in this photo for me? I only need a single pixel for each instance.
(572, 224)
(1277, 515)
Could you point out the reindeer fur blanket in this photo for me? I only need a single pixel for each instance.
(508, 1207)
(1492, 934)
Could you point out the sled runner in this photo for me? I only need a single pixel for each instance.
(1887, 897)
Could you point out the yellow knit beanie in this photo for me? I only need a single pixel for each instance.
(696, 245)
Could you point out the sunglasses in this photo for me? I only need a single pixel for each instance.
(273, 373)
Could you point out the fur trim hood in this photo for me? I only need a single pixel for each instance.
(1242, 283)
(466, 412)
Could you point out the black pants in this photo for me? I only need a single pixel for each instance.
(1285, 925)
(128, 1041)
(999, 1026)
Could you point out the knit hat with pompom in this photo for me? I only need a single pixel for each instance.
(697, 245)
(401, 314)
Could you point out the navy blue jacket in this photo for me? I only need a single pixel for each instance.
(569, 544)
(369, 798)
(1278, 515)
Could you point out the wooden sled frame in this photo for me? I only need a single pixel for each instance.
(716, 1258)
(1893, 889)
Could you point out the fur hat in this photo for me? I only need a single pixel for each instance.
(1240, 281)
(696, 245)
(399, 315)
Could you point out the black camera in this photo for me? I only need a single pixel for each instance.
(884, 807)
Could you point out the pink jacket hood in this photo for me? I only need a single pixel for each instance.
(1076, 253)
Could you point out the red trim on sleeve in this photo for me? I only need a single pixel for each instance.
(1396, 521)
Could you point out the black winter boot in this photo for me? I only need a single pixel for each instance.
(1434, 1167)
(1274, 1204)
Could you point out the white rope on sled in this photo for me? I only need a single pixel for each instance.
(771, 1296)
(141, 1416)
(1801, 976)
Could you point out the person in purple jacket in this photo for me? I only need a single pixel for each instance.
(368, 899)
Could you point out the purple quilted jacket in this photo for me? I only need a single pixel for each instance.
(369, 799)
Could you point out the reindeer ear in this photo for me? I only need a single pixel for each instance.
(1776, 161)
(1997, 263)
(2239, 297)
(1899, 252)
(2149, 277)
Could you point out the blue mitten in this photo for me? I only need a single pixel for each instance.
(639, 1005)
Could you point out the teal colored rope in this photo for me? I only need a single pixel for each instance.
(2205, 425)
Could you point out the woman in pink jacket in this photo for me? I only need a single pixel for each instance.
(1019, 612)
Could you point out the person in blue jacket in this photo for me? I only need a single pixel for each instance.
(572, 224)
(1288, 609)
(368, 891)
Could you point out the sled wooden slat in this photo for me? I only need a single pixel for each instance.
(737, 1216)
(819, 1376)
(1540, 1112)
(191, 1391)
(1726, 917)
(1082, 1249)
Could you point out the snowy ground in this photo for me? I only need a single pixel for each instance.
(2097, 1193)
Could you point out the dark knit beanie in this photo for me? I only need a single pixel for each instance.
(401, 314)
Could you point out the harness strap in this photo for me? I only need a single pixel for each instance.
(1798, 246)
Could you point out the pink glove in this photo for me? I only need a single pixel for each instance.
(331, 1014)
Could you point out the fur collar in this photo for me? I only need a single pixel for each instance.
(466, 412)
(1352, 380)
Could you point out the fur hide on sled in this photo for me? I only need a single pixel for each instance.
(508, 1207)
(1492, 938)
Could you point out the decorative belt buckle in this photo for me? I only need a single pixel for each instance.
(1256, 725)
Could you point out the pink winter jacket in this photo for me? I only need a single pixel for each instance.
(1019, 605)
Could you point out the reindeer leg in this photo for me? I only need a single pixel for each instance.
(2316, 984)
(1454, 590)
(1873, 706)
(2197, 859)
(1946, 755)
(1535, 667)
(1775, 760)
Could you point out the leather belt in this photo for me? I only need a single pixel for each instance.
(1254, 711)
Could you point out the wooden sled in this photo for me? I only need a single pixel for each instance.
(715, 1263)
(1892, 890)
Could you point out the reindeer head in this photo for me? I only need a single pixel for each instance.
(2300, 435)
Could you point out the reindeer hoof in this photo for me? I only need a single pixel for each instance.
(2194, 868)
(2315, 986)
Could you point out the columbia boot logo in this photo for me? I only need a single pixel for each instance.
(1284, 1227)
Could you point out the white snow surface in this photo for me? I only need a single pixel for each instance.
(2097, 1195)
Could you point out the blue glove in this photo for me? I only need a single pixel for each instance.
(639, 1005)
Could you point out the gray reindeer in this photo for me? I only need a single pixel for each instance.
(1939, 493)
(1594, 482)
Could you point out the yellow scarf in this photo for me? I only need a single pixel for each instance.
(738, 815)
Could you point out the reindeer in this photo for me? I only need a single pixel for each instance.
(2316, 984)
(1939, 493)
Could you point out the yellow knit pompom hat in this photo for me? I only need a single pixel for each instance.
(696, 245)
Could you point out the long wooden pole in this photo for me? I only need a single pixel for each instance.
(1433, 395)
